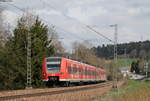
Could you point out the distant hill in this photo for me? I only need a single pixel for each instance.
(139, 49)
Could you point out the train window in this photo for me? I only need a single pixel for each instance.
(74, 70)
(86, 71)
(78, 71)
(81, 71)
(53, 68)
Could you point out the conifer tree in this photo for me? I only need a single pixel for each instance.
(41, 46)
(17, 53)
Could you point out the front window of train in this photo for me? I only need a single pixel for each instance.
(53, 64)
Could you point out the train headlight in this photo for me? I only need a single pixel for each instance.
(44, 74)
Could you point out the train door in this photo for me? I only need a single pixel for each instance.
(63, 69)
(95, 74)
(69, 70)
(83, 72)
(100, 75)
(86, 76)
(71, 75)
(80, 72)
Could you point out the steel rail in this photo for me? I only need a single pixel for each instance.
(102, 85)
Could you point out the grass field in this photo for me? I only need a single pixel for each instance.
(133, 91)
(122, 63)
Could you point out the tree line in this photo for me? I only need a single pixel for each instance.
(139, 67)
(139, 49)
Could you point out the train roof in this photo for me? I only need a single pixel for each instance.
(70, 59)
(53, 57)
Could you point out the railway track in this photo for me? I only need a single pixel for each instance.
(101, 85)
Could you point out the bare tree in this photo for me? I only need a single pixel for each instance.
(142, 54)
(133, 53)
(148, 54)
(58, 47)
(82, 52)
(141, 65)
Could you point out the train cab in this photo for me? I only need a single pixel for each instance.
(51, 68)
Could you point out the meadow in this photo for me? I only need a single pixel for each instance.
(131, 91)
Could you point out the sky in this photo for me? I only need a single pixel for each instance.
(70, 18)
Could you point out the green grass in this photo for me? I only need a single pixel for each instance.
(124, 62)
(125, 93)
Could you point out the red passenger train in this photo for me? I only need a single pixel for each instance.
(66, 71)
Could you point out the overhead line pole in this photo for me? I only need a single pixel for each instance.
(115, 49)
(29, 70)
(115, 55)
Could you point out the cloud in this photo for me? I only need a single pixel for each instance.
(72, 16)
(11, 17)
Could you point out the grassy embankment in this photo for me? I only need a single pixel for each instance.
(133, 91)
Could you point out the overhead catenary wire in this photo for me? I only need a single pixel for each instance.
(100, 34)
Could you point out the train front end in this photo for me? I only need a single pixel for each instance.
(51, 69)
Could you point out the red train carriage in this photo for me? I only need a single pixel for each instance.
(60, 69)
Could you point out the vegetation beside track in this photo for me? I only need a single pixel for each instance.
(132, 91)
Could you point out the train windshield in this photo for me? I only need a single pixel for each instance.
(53, 64)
